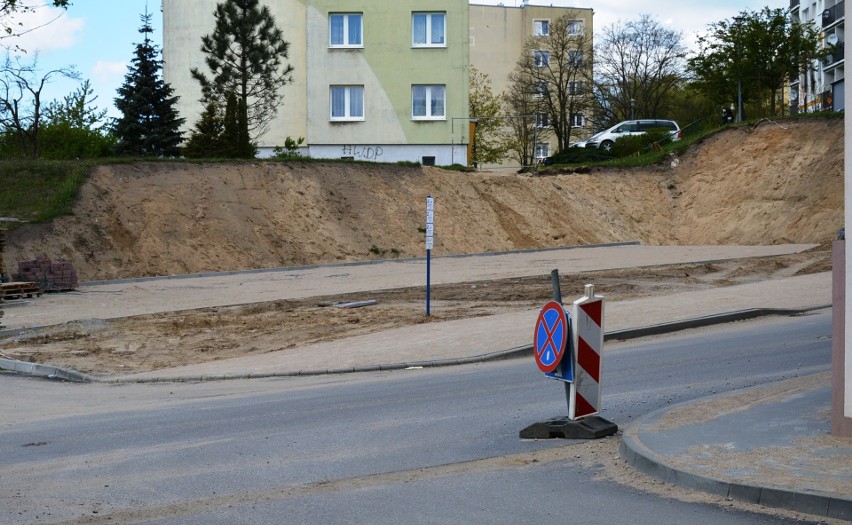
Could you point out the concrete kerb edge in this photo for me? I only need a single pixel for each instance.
(46, 371)
(637, 455)
(53, 372)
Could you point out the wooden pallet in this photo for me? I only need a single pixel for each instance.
(18, 290)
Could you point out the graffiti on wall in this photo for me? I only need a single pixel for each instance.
(363, 152)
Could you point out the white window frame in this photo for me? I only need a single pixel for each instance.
(540, 90)
(428, 98)
(348, 91)
(542, 120)
(578, 120)
(430, 19)
(541, 58)
(576, 27)
(347, 18)
(541, 27)
(542, 150)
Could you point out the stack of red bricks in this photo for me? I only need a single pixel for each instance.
(48, 275)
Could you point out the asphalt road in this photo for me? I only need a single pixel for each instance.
(413, 446)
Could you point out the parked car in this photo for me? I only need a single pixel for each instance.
(582, 143)
(606, 138)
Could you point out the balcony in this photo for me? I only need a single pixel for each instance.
(833, 14)
(835, 57)
(794, 5)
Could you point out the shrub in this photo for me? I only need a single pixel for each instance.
(290, 150)
(633, 144)
(580, 155)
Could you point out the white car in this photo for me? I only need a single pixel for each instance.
(582, 144)
(605, 139)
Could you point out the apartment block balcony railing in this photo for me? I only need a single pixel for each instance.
(833, 14)
(836, 56)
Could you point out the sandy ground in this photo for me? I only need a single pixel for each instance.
(774, 183)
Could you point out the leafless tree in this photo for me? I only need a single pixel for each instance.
(11, 28)
(21, 87)
(556, 71)
(519, 121)
(639, 64)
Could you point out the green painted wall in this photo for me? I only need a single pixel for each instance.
(390, 64)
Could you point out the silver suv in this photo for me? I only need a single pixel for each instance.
(606, 138)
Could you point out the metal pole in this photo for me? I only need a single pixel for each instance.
(567, 359)
(739, 97)
(554, 283)
(428, 280)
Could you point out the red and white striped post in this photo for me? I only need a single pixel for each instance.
(588, 338)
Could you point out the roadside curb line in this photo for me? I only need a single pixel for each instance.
(640, 457)
(54, 372)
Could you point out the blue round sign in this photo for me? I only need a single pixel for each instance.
(550, 337)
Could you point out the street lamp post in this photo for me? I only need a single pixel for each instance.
(632, 109)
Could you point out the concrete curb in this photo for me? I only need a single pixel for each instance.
(636, 454)
(46, 371)
(54, 372)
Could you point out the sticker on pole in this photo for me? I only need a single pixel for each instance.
(550, 337)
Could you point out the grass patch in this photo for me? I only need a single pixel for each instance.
(39, 191)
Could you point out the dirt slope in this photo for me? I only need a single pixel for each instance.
(776, 183)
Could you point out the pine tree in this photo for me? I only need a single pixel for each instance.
(150, 124)
(245, 54)
(206, 138)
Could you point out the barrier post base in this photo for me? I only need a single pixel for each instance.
(592, 427)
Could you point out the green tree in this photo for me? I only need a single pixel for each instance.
(638, 65)
(74, 128)
(246, 55)
(77, 109)
(488, 143)
(205, 139)
(149, 124)
(753, 56)
(232, 140)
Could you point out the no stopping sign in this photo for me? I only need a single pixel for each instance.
(550, 337)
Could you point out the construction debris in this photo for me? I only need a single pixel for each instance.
(357, 304)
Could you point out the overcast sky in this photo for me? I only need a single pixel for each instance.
(99, 36)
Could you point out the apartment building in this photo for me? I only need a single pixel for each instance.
(372, 80)
(497, 38)
(821, 86)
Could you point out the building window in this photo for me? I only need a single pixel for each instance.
(428, 102)
(347, 103)
(344, 30)
(540, 90)
(541, 120)
(578, 120)
(575, 88)
(542, 150)
(576, 28)
(575, 58)
(542, 58)
(541, 27)
(428, 29)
